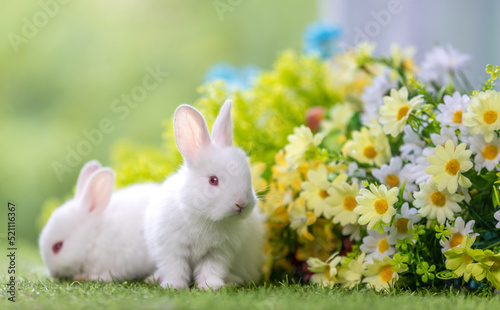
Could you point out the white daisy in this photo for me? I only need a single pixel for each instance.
(380, 275)
(419, 166)
(355, 172)
(465, 137)
(299, 142)
(436, 204)
(353, 231)
(340, 115)
(458, 232)
(450, 113)
(351, 274)
(403, 223)
(373, 95)
(412, 144)
(497, 217)
(391, 175)
(315, 190)
(487, 154)
(376, 245)
(342, 201)
(448, 165)
(462, 191)
(368, 146)
(483, 113)
(442, 62)
(407, 173)
(325, 273)
(396, 110)
(376, 204)
(445, 135)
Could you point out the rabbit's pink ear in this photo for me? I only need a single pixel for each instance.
(87, 170)
(222, 131)
(97, 193)
(191, 132)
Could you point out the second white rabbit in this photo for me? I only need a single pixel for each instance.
(99, 235)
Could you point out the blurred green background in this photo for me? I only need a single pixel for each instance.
(63, 65)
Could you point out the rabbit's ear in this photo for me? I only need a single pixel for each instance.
(87, 170)
(97, 193)
(222, 131)
(191, 132)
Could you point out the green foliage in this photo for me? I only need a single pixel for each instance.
(137, 164)
(494, 74)
(65, 77)
(264, 115)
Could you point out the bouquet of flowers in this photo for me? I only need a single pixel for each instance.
(397, 188)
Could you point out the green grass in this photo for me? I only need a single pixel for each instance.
(35, 290)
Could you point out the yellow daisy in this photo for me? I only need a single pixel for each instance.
(368, 147)
(458, 231)
(300, 218)
(258, 182)
(340, 115)
(380, 275)
(351, 274)
(483, 114)
(315, 189)
(447, 166)
(342, 202)
(396, 109)
(284, 174)
(300, 142)
(403, 57)
(488, 267)
(275, 203)
(460, 257)
(325, 273)
(436, 204)
(376, 204)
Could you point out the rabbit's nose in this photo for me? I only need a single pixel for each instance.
(240, 206)
(242, 202)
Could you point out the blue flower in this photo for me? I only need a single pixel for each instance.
(235, 78)
(320, 39)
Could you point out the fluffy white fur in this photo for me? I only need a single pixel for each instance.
(199, 232)
(102, 232)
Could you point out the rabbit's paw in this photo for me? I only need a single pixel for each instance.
(208, 283)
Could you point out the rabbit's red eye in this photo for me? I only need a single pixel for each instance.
(213, 180)
(57, 247)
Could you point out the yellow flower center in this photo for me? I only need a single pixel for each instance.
(490, 152)
(456, 240)
(452, 166)
(381, 206)
(467, 258)
(490, 116)
(370, 152)
(386, 273)
(496, 263)
(408, 64)
(350, 203)
(327, 272)
(402, 112)
(392, 180)
(383, 245)
(457, 117)
(401, 225)
(323, 194)
(438, 199)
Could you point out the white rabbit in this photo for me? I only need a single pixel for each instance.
(202, 224)
(99, 235)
